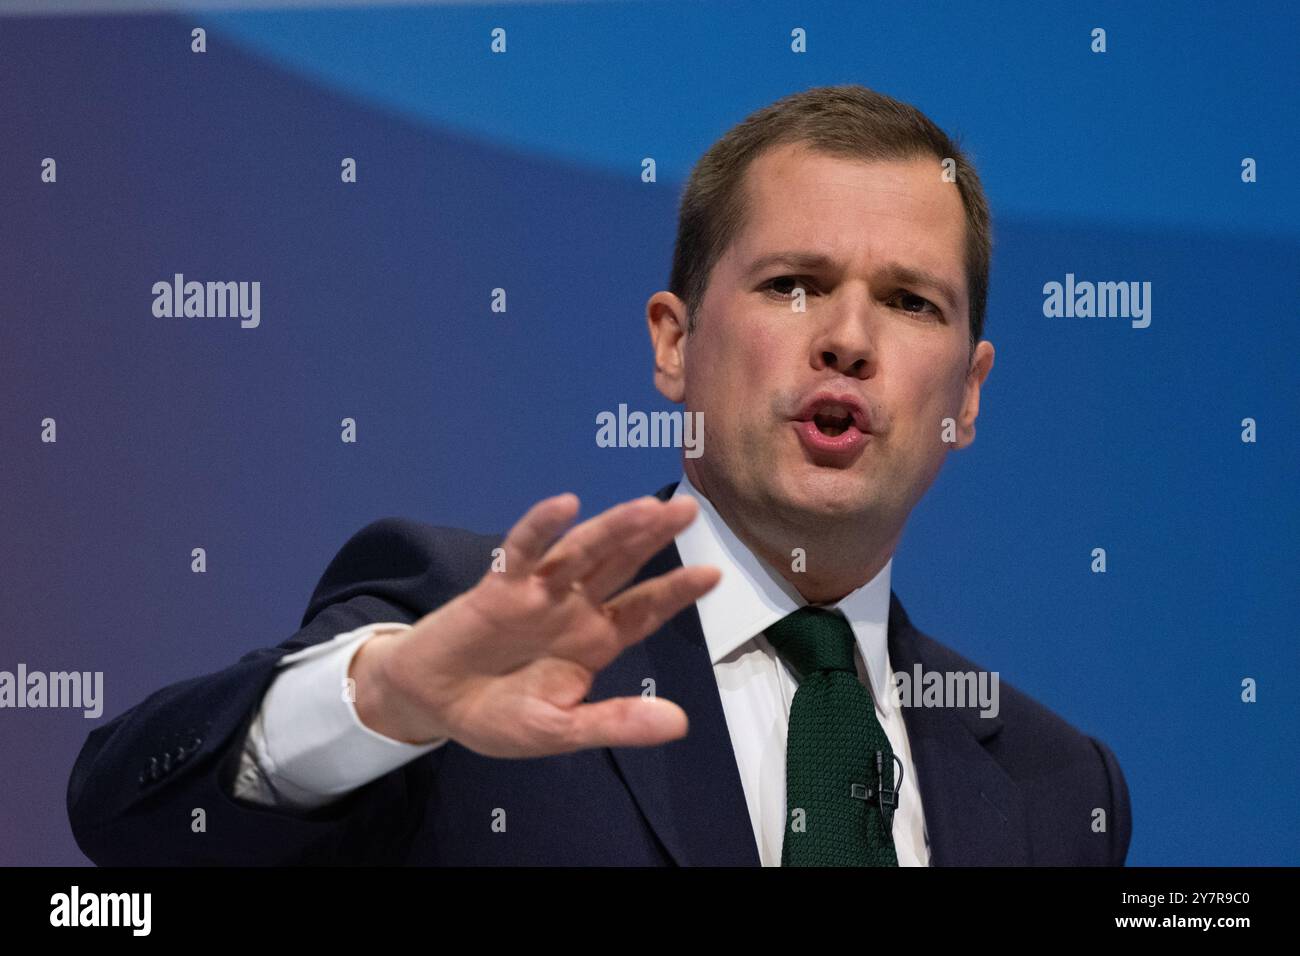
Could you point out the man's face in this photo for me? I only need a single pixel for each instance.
(886, 324)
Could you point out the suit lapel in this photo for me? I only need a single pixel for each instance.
(690, 790)
(974, 812)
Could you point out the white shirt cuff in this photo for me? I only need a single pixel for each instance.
(308, 745)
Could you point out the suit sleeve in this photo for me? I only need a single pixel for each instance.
(155, 785)
(1121, 817)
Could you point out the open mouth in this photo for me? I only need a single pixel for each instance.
(832, 422)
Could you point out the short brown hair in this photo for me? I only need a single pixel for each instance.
(850, 121)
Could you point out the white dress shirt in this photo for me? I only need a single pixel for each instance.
(306, 746)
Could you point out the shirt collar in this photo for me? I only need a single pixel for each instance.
(751, 597)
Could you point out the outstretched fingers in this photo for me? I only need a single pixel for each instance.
(639, 547)
(641, 610)
(533, 534)
(599, 540)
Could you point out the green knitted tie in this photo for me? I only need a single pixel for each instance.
(831, 751)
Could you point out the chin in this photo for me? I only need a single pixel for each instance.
(826, 492)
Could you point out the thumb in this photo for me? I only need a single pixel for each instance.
(628, 722)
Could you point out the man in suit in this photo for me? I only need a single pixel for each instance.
(708, 676)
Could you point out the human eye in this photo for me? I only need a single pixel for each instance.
(794, 282)
(910, 299)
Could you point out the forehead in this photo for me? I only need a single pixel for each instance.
(855, 211)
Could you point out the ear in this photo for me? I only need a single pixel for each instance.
(980, 365)
(666, 318)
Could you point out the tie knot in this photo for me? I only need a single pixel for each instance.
(814, 639)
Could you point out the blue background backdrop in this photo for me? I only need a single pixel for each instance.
(523, 171)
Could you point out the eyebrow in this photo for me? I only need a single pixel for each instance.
(908, 275)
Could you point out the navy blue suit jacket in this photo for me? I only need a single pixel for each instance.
(1017, 789)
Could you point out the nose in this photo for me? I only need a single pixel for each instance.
(844, 342)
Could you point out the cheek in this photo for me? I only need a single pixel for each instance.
(731, 378)
(932, 402)
(743, 376)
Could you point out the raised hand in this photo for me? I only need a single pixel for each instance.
(502, 669)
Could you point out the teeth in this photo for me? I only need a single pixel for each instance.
(833, 419)
(832, 425)
(834, 415)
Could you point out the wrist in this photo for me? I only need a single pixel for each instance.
(378, 698)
